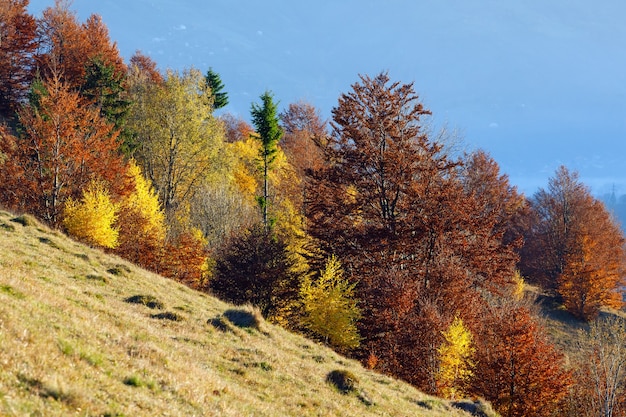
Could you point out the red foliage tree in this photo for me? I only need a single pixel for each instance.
(236, 129)
(18, 42)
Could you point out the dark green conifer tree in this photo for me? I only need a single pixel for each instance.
(214, 82)
(265, 121)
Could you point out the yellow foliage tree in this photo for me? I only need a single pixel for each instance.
(179, 141)
(519, 285)
(145, 202)
(330, 308)
(245, 153)
(92, 219)
(455, 360)
(141, 222)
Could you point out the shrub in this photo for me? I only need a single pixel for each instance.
(256, 268)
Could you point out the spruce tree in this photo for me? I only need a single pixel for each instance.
(265, 121)
(214, 82)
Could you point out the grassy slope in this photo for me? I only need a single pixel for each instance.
(563, 328)
(71, 345)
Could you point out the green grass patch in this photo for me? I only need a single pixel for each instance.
(93, 358)
(138, 382)
(66, 347)
(9, 290)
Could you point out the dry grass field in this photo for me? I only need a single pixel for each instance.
(83, 333)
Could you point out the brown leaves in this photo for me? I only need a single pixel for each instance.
(69, 46)
(64, 145)
(574, 246)
(421, 233)
(520, 372)
(17, 47)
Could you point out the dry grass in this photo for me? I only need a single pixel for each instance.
(72, 342)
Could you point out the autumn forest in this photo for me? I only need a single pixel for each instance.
(367, 232)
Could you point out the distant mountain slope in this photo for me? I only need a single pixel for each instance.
(84, 333)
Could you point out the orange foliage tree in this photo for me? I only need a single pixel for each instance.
(185, 259)
(520, 372)
(574, 247)
(303, 126)
(67, 46)
(64, 145)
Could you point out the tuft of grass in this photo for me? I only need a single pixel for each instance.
(26, 220)
(343, 380)
(7, 227)
(49, 242)
(146, 300)
(119, 270)
(138, 382)
(263, 366)
(478, 408)
(245, 317)
(167, 315)
(220, 323)
(94, 277)
(82, 256)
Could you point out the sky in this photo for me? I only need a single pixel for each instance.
(535, 83)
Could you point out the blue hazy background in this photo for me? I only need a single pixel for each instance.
(535, 83)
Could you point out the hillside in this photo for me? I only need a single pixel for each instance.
(88, 334)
